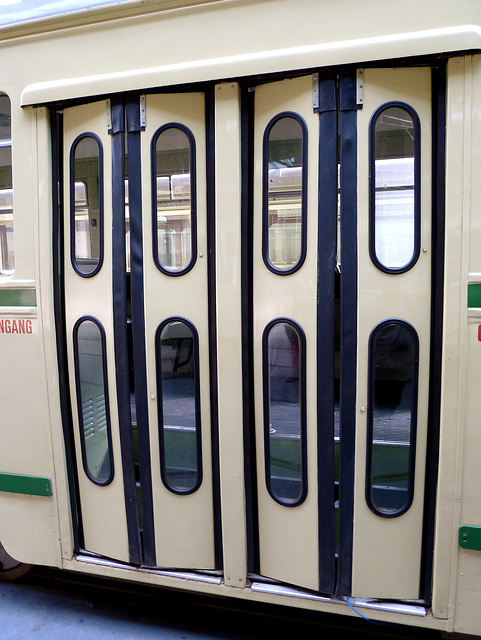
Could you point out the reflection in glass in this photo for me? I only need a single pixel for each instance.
(284, 412)
(395, 187)
(174, 194)
(179, 411)
(86, 204)
(7, 256)
(284, 193)
(392, 417)
(92, 398)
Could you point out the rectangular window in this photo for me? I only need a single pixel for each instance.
(7, 257)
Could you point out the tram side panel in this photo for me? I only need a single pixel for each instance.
(467, 617)
(28, 498)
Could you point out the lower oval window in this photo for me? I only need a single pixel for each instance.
(178, 392)
(392, 417)
(92, 400)
(285, 412)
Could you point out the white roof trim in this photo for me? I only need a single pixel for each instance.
(414, 43)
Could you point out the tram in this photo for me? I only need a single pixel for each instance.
(240, 300)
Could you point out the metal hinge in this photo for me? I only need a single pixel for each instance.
(109, 116)
(360, 87)
(315, 92)
(143, 112)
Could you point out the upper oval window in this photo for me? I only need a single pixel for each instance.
(7, 254)
(394, 242)
(174, 199)
(284, 193)
(86, 204)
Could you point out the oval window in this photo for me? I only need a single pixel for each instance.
(285, 412)
(392, 417)
(7, 253)
(92, 400)
(179, 405)
(285, 193)
(86, 204)
(395, 188)
(174, 199)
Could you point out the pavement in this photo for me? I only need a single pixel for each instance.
(49, 604)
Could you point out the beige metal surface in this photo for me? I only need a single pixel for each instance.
(288, 536)
(387, 551)
(170, 39)
(468, 589)
(200, 43)
(177, 517)
(103, 508)
(449, 500)
(229, 331)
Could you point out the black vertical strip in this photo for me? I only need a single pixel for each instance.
(348, 199)
(247, 151)
(58, 234)
(327, 233)
(119, 284)
(138, 325)
(212, 287)
(437, 300)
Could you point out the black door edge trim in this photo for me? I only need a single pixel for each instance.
(56, 129)
(437, 302)
(327, 246)
(348, 200)
(119, 285)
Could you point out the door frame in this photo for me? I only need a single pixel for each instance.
(330, 95)
(338, 106)
(125, 131)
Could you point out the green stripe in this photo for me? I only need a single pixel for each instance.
(474, 295)
(18, 298)
(470, 537)
(29, 485)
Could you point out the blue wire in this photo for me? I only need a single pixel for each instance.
(387, 624)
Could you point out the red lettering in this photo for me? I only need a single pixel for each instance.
(16, 326)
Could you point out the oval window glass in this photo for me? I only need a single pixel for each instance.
(86, 204)
(92, 398)
(7, 254)
(395, 188)
(284, 412)
(174, 199)
(392, 417)
(179, 406)
(285, 171)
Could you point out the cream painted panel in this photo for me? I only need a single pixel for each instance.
(467, 617)
(387, 551)
(194, 44)
(184, 529)
(103, 508)
(454, 343)
(229, 331)
(288, 536)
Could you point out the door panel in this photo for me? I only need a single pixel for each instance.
(394, 316)
(379, 347)
(176, 305)
(88, 297)
(284, 304)
(162, 323)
